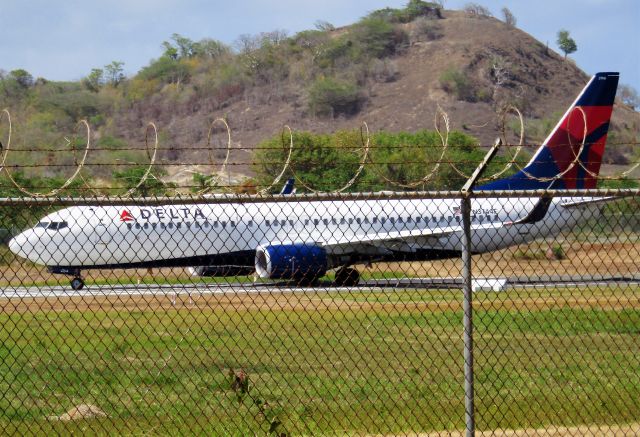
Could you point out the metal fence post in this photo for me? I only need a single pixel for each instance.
(467, 306)
(467, 303)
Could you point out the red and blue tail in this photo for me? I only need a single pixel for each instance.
(557, 155)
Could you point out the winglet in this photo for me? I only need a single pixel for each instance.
(536, 214)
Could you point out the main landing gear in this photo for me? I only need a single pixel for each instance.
(77, 283)
(347, 277)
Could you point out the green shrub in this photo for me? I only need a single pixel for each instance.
(166, 70)
(331, 97)
(463, 87)
(376, 37)
(413, 10)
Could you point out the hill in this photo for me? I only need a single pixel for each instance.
(392, 69)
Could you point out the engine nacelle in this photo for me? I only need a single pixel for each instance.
(300, 261)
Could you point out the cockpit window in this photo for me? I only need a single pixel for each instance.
(53, 226)
(56, 226)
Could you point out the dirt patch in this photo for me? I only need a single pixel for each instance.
(79, 412)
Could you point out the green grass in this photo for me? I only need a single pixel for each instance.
(346, 363)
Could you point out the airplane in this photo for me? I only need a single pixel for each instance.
(300, 241)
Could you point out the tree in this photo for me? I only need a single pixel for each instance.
(212, 49)
(23, 77)
(566, 43)
(94, 80)
(477, 10)
(115, 73)
(170, 51)
(629, 96)
(509, 18)
(324, 26)
(186, 47)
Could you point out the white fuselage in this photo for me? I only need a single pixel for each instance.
(121, 236)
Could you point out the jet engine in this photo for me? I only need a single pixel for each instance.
(299, 261)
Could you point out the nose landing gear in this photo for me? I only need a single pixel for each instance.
(77, 283)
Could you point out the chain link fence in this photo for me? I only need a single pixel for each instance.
(321, 315)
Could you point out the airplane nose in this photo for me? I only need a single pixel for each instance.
(16, 245)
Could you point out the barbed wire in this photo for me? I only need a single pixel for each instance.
(288, 147)
(287, 161)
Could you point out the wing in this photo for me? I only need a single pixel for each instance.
(356, 243)
(421, 237)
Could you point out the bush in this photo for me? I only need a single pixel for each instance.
(426, 29)
(166, 70)
(376, 37)
(477, 10)
(384, 70)
(413, 10)
(331, 97)
(458, 83)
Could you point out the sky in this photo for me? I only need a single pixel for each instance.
(65, 39)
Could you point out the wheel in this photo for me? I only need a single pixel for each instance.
(347, 277)
(77, 284)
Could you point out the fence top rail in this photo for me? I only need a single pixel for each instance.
(250, 198)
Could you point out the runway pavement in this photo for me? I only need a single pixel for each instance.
(93, 290)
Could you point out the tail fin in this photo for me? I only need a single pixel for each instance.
(287, 188)
(557, 155)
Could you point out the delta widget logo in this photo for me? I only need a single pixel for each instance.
(126, 216)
